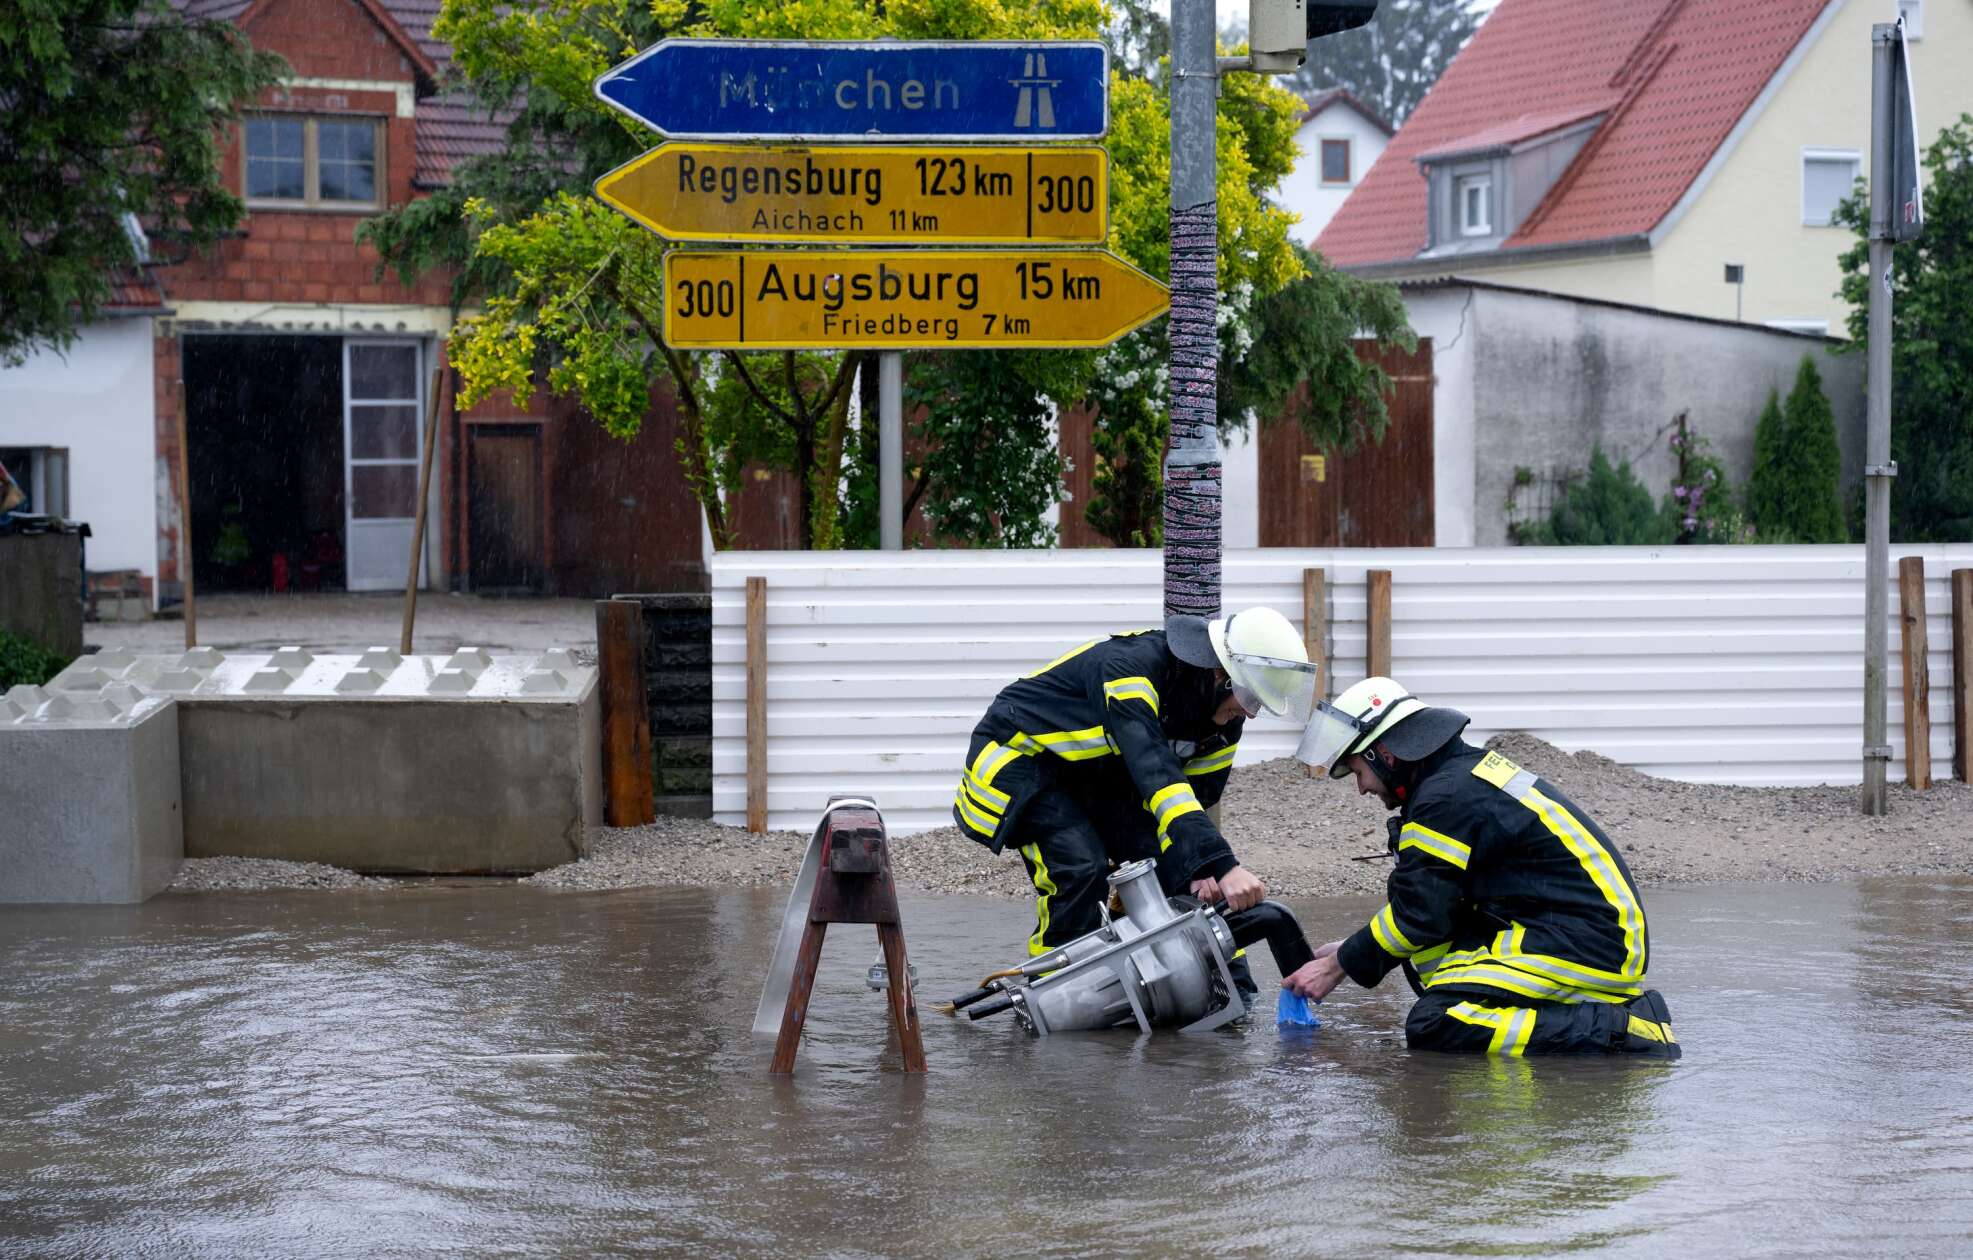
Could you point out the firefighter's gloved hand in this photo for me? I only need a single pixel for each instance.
(1314, 980)
(1239, 888)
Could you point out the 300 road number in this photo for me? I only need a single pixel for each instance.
(1066, 194)
(706, 298)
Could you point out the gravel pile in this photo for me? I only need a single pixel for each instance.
(234, 873)
(1301, 835)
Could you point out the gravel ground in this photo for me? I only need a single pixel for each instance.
(1300, 836)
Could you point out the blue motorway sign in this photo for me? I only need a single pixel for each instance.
(743, 89)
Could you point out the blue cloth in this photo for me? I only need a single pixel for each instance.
(1291, 1011)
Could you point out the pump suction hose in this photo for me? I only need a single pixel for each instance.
(994, 1007)
(1274, 923)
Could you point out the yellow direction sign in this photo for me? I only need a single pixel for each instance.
(903, 299)
(866, 194)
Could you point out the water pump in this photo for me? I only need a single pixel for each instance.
(1162, 963)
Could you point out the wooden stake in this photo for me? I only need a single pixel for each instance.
(1917, 682)
(418, 529)
(1315, 626)
(185, 525)
(1962, 674)
(757, 706)
(627, 791)
(1378, 624)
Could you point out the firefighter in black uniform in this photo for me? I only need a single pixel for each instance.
(1114, 751)
(1509, 907)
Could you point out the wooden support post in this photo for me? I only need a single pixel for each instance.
(853, 884)
(757, 705)
(1917, 682)
(1962, 674)
(1377, 628)
(1315, 626)
(185, 526)
(627, 789)
(418, 527)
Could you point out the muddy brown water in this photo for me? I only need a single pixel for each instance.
(505, 1071)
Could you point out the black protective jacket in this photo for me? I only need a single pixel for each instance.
(1503, 887)
(1120, 721)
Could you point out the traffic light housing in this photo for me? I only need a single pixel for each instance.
(1278, 31)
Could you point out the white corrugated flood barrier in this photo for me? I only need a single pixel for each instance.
(1710, 664)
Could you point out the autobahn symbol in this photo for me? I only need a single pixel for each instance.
(867, 194)
(904, 299)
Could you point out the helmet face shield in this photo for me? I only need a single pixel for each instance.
(1285, 688)
(1327, 737)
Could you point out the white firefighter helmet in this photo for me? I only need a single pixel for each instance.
(1375, 709)
(1266, 661)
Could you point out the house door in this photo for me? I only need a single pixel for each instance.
(503, 508)
(1379, 495)
(383, 390)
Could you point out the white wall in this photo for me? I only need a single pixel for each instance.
(1303, 191)
(1450, 317)
(1707, 664)
(100, 404)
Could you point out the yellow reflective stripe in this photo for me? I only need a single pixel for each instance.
(1080, 745)
(1170, 803)
(1384, 926)
(1513, 1037)
(1044, 886)
(1425, 960)
(1595, 860)
(1572, 974)
(1136, 687)
(1212, 761)
(1648, 1029)
(1069, 655)
(967, 793)
(1436, 843)
(1496, 975)
(985, 824)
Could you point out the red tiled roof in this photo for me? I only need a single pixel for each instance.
(1674, 76)
(134, 292)
(1512, 132)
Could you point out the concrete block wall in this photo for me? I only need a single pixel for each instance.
(90, 809)
(678, 685)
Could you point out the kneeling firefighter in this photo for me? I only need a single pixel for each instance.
(1510, 909)
(1113, 752)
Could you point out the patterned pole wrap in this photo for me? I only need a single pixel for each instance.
(1192, 463)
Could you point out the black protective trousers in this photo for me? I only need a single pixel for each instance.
(1467, 1023)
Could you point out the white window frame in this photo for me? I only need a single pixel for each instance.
(1462, 185)
(1852, 156)
(1913, 13)
(1349, 161)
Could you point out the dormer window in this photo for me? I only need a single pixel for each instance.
(296, 161)
(1475, 202)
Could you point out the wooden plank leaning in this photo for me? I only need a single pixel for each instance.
(1962, 674)
(628, 793)
(1377, 627)
(1315, 631)
(1917, 679)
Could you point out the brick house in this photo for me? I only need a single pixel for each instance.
(304, 374)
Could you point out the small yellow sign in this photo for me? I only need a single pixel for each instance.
(903, 299)
(1315, 468)
(866, 194)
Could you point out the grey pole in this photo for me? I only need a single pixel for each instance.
(1877, 466)
(1192, 463)
(890, 450)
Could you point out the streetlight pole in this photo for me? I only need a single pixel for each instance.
(1877, 467)
(1192, 459)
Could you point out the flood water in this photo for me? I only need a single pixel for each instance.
(507, 1071)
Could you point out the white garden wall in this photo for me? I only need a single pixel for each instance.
(1709, 664)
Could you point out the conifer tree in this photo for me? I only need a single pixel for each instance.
(1767, 487)
(1815, 510)
(1610, 507)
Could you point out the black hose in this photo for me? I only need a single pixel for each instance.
(1276, 924)
(967, 999)
(991, 1008)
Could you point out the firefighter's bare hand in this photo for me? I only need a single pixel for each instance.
(1314, 980)
(1241, 888)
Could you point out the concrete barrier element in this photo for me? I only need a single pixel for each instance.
(472, 763)
(90, 807)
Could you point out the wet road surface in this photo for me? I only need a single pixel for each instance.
(504, 1071)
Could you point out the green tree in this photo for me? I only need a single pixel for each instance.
(1815, 506)
(1767, 485)
(111, 115)
(1609, 507)
(1393, 61)
(1931, 344)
